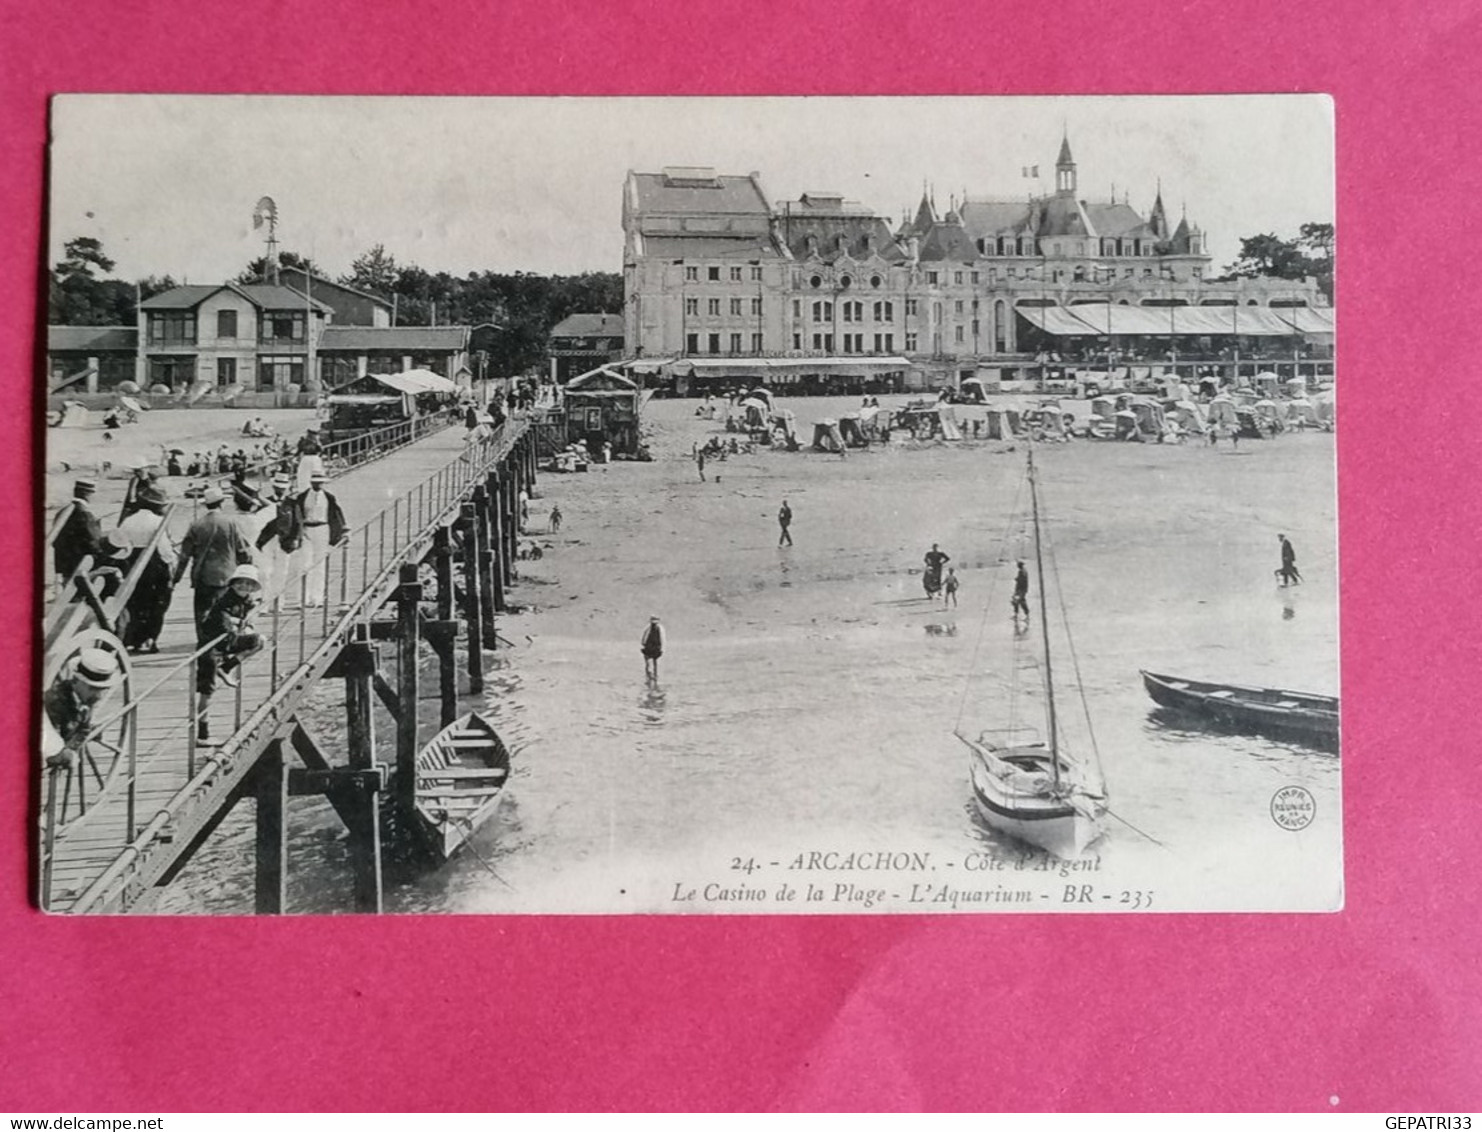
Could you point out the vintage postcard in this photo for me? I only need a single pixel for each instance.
(690, 506)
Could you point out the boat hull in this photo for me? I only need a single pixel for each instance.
(1063, 826)
(461, 775)
(1300, 716)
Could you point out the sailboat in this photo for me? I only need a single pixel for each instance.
(1033, 790)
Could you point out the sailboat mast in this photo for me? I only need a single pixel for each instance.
(1044, 620)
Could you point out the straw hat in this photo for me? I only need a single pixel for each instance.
(318, 477)
(212, 497)
(96, 667)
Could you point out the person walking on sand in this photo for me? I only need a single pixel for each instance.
(949, 594)
(700, 463)
(784, 520)
(652, 646)
(1288, 573)
(555, 518)
(1020, 602)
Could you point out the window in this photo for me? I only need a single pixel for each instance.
(173, 328)
(823, 342)
(735, 275)
(713, 274)
(692, 306)
(818, 341)
(853, 312)
(226, 368)
(797, 308)
(823, 311)
(756, 274)
(334, 371)
(885, 311)
(1013, 274)
(876, 281)
(691, 274)
(910, 342)
(1198, 272)
(280, 373)
(735, 343)
(815, 281)
(845, 282)
(714, 342)
(735, 306)
(936, 312)
(174, 372)
(1147, 272)
(854, 343)
(910, 308)
(756, 342)
(282, 326)
(797, 341)
(957, 278)
(713, 306)
(756, 306)
(993, 275)
(691, 343)
(226, 324)
(931, 278)
(975, 328)
(959, 334)
(975, 278)
(957, 307)
(1127, 274)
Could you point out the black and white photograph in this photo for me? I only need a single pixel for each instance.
(689, 506)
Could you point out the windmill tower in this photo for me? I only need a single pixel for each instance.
(266, 212)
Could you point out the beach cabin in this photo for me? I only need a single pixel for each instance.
(604, 406)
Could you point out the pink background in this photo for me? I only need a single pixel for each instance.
(1377, 1005)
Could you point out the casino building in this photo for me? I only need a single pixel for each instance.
(724, 286)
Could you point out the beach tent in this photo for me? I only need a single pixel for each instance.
(1325, 405)
(1150, 420)
(1127, 425)
(74, 415)
(755, 412)
(1188, 416)
(785, 422)
(826, 436)
(1221, 413)
(973, 390)
(1301, 414)
(851, 430)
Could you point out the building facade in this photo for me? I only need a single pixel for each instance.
(720, 280)
(582, 342)
(259, 336)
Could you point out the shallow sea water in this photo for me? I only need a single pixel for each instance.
(808, 695)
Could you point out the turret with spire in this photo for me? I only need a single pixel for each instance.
(1158, 219)
(1065, 169)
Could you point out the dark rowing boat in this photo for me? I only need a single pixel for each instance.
(1302, 716)
(461, 776)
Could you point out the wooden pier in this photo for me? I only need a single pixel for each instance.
(130, 814)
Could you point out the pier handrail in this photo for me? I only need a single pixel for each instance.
(412, 515)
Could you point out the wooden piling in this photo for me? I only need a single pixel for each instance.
(270, 791)
(496, 542)
(361, 813)
(486, 587)
(473, 618)
(408, 745)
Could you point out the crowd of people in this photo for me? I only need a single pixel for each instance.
(235, 558)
